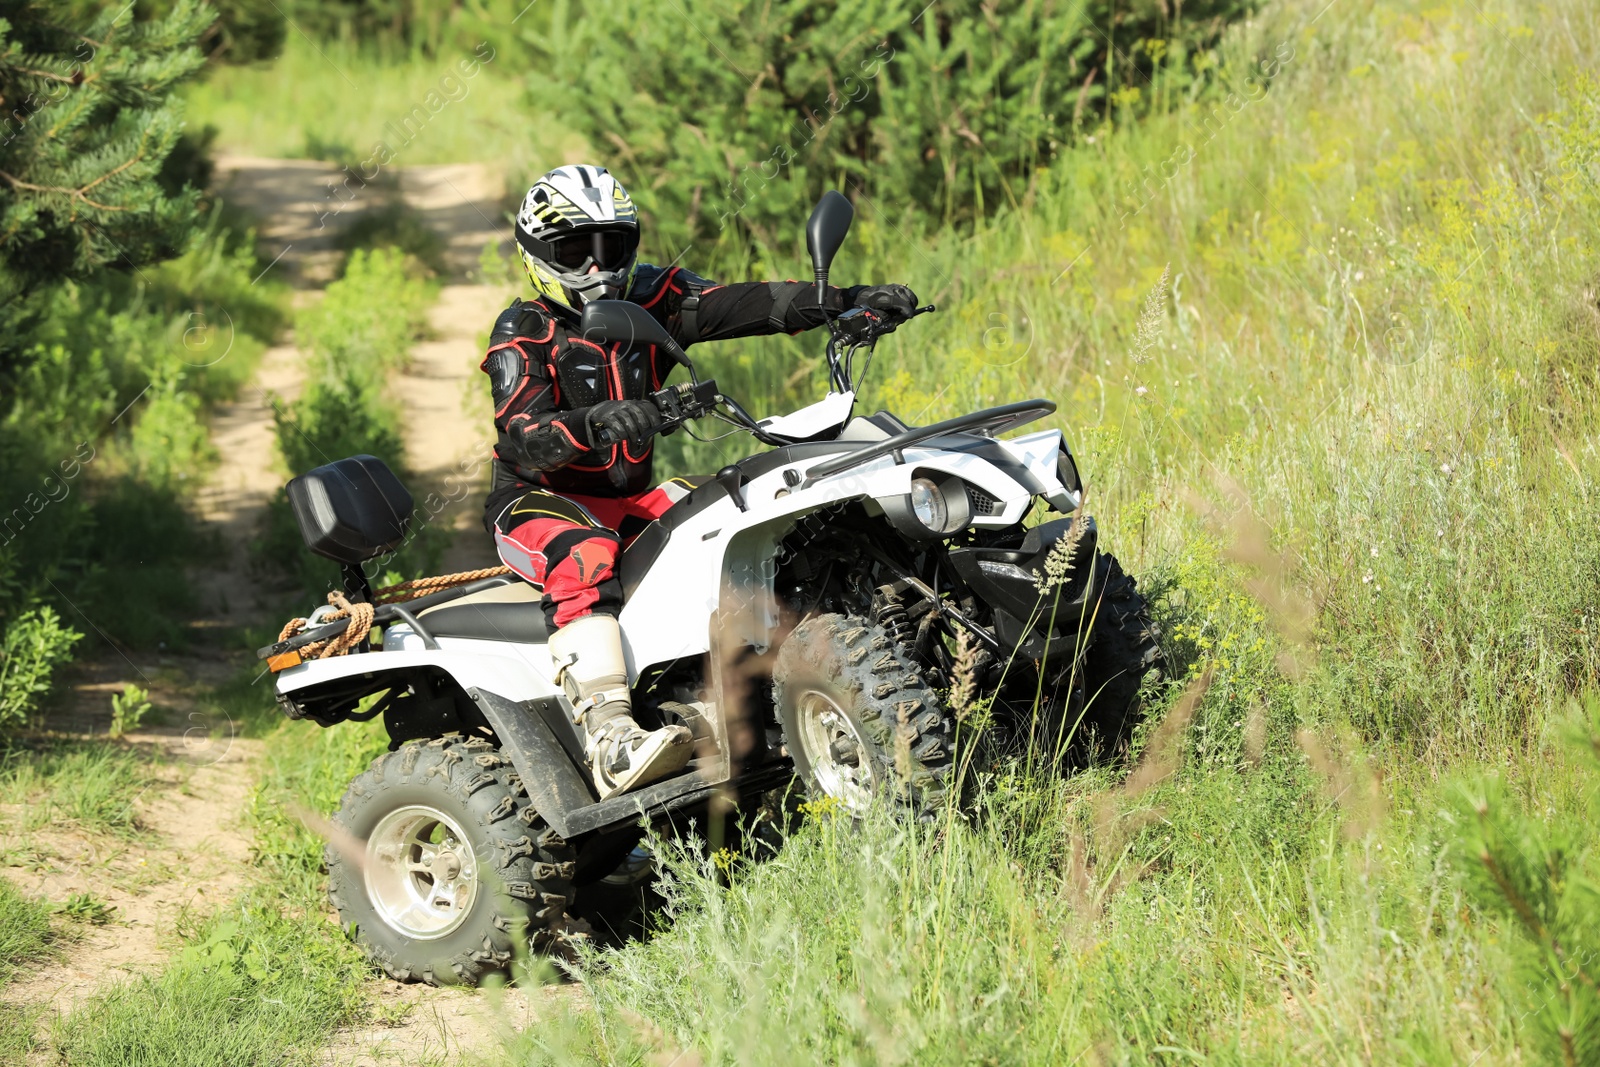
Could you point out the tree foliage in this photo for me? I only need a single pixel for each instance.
(1541, 877)
(730, 115)
(90, 120)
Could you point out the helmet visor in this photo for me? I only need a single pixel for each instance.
(606, 249)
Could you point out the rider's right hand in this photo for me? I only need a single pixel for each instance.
(894, 303)
(611, 421)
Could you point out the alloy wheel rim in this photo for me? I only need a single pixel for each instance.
(421, 873)
(835, 752)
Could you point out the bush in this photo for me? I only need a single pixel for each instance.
(363, 329)
(367, 321)
(1536, 875)
(34, 645)
(733, 127)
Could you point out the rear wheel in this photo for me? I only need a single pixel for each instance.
(858, 719)
(447, 866)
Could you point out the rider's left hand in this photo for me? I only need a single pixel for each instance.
(896, 303)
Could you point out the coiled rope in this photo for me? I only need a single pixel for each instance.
(360, 615)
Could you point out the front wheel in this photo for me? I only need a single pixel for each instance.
(1123, 655)
(859, 721)
(445, 869)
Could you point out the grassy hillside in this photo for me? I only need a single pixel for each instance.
(1327, 354)
(1325, 345)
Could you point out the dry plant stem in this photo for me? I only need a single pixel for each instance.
(1147, 332)
(1358, 790)
(965, 690)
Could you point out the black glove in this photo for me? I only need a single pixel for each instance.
(896, 303)
(611, 421)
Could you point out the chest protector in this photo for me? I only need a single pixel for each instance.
(541, 370)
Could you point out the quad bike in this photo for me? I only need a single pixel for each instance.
(806, 613)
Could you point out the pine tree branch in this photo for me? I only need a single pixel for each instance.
(1525, 912)
(70, 79)
(76, 194)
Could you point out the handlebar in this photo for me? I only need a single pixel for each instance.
(677, 405)
(692, 400)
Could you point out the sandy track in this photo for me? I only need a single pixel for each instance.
(193, 855)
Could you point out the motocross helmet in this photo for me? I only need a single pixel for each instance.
(578, 235)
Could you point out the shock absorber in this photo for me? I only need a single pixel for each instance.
(890, 611)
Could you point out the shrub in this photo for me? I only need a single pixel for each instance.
(34, 645)
(366, 323)
(1536, 875)
(363, 329)
(128, 709)
(731, 124)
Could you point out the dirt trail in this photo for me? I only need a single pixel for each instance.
(445, 406)
(428, 1025)
(195, 853)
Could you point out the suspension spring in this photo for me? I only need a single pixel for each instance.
(891, 613)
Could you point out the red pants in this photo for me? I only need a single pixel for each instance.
(570, 547)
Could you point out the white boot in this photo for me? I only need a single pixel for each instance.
(587, 653)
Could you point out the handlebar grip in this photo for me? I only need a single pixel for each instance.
(607, 437)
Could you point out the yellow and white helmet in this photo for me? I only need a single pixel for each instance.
(578, 235)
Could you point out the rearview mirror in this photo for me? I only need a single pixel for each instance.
(608, 322)
(830, 221)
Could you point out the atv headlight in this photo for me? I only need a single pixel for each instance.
(1067, 471)
(928, 505)
(934, 505)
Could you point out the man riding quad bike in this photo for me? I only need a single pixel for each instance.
(813, 611)
(572, 472)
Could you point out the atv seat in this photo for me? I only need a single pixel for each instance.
(509, 612)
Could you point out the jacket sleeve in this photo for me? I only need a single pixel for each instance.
(696, 309)
(527, 397)
(749, 309)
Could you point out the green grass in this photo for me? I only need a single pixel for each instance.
(86, 785)
(267, 978)
(25, 938)
(1352, 454)
(337, 101)
(25, 934)
(260, 984)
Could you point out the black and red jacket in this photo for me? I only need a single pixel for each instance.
(545, 376)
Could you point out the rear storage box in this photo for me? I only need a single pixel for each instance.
(350, 510)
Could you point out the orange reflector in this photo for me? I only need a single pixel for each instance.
(283, 661)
